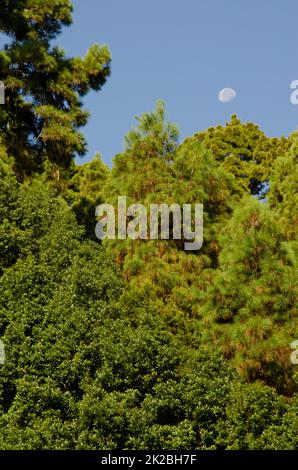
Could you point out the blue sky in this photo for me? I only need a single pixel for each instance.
(184, 52)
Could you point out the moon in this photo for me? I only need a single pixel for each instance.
(226, 95)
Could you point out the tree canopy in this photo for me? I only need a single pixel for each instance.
(138, 344)
(43, 87)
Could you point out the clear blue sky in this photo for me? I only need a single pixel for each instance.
(185, 51)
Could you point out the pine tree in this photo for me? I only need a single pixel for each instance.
(251, 305)
(155, 169)
(43, 88)
(283, 193)
(245, 151)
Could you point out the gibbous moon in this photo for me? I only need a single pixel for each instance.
(226, 95)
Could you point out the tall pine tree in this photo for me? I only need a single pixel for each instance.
(43, 109)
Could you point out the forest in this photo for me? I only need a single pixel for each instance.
(138, 344)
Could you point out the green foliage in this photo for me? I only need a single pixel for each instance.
(252, 413)
(138, 344)
(83, 190)
(282, 435)
(154, 169)
(244, 151)
(86, 368)
(79, 373)
(34, 18)
(43, 88)
(252, 301)
(283, 194)
(239, 292)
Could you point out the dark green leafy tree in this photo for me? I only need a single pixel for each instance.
(82, 187)
(282, 435)
(252, 413)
